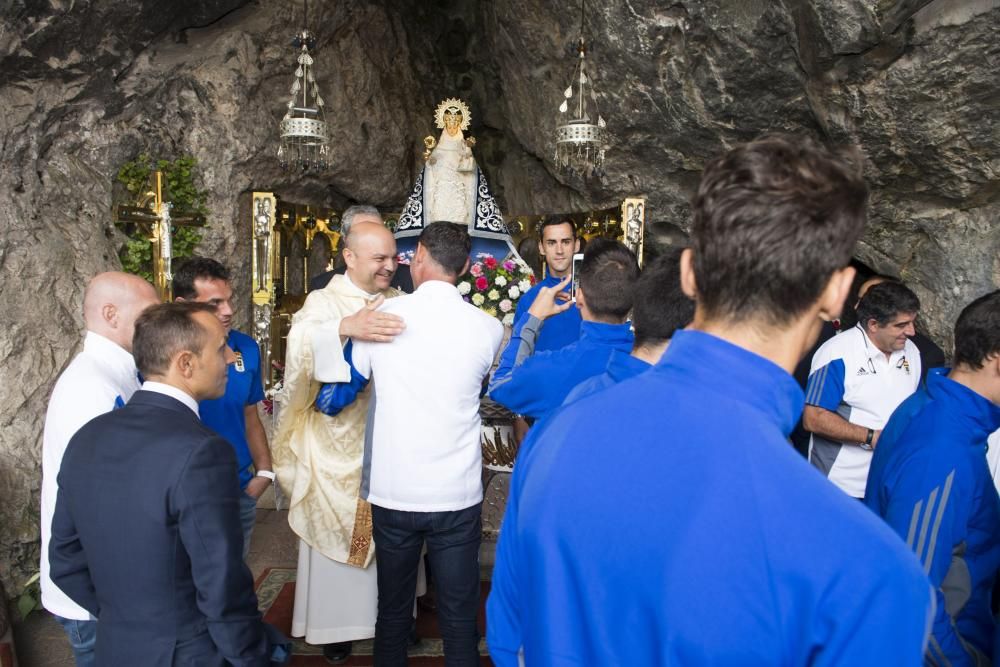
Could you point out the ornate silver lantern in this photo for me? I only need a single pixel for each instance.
(304, 138)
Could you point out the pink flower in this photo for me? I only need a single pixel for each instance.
(491, 263)
(506, 305)
(476, 269)
(509, 265)
(482, 283)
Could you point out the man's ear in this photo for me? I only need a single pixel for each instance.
(349, 257)
(109, 313)
(688, 284)
(581, 300)
(831, 300)
(576, 245)
(465, 267)
(185, 362)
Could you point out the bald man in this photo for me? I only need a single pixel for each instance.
(101, 378)
(318, 458)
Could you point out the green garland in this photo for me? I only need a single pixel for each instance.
(178, 189)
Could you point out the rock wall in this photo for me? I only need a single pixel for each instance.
(88, 85)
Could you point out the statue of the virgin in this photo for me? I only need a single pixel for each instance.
(452, 187)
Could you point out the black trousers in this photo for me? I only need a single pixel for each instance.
(453, 551)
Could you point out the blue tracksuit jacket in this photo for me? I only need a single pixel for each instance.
(536, 383)
(929, 480)
(666, 521)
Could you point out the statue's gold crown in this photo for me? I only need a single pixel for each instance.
(452, 105)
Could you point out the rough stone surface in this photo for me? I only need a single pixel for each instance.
(88, 85)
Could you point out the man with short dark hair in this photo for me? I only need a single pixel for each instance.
(146, 532)
(557, 243)
(101, 378)
(423, 461)
(857, 379)
(930, 481)
(234, 415)
(533, 383)
(674, 499)
(661, 308)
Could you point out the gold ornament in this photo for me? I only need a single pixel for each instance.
(452, 107)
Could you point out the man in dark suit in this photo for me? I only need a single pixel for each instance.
(146, 534)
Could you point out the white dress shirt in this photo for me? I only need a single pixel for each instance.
(172, 392)
(102, 377)
(422, 445)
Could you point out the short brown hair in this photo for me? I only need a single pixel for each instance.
(164, 330)
(448, 243)
(772, 220)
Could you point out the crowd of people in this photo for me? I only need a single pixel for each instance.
(657, 513)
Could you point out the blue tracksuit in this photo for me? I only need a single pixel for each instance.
(536, 383)
(621, 366)
(666, 521)
(929, 480)
(559, 330)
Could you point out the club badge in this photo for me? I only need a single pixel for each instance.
(240, 367)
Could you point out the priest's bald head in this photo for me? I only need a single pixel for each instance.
(112, 303)
(370, 256)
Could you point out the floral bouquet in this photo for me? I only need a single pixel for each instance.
(496, 287)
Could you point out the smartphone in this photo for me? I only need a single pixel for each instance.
(575, 272)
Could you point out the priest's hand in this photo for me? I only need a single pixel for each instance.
(371, 325)
(551, 301)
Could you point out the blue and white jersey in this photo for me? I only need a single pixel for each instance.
(853, 378)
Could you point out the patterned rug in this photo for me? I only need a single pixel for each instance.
(276, 595)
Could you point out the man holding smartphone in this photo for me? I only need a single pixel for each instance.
(532, 382)
(557, 244)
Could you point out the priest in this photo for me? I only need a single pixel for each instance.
(318, 458)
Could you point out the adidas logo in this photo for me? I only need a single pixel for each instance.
(863, 371)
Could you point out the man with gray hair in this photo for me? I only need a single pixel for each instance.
(355, 214)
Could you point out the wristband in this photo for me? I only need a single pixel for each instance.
(869, 437)
(268, 474)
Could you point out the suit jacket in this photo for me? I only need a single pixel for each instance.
(146, 537)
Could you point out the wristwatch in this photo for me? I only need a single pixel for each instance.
(269, 474)
(867, 444)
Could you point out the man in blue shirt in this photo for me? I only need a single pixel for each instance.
(557, 243)
(661, 308)
(666, 520)
(930, 481)
(234, 416)
(533, 383)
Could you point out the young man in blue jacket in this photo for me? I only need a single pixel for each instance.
(930, 481)
(666, 521)
(533, 383)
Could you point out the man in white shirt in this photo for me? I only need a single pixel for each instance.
(423, 463)
(857, 379)
(99, 379)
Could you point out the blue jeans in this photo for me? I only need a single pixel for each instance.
(82, 637)
(453, 551)
(248, 515)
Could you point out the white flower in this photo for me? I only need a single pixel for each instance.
(514, 292)
(500, 281)
(524, 285)
(506, 306)
(493, 295)
(464, 288)
(478, 299)
(508, 319)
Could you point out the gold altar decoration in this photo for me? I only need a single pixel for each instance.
(152, 214)
(292, 243)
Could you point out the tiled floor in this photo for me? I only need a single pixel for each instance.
(41, 642)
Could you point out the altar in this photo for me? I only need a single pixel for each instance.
(293, 243)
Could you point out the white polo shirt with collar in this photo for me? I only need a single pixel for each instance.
(98, 380)
(422, 443)
(853, 378)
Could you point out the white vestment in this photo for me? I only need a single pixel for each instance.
(318, 463)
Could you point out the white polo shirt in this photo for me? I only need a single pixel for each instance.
(422, 444)
(101, 378)
(852, 377)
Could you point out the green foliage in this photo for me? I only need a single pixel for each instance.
(30, 598)
(180, 190)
